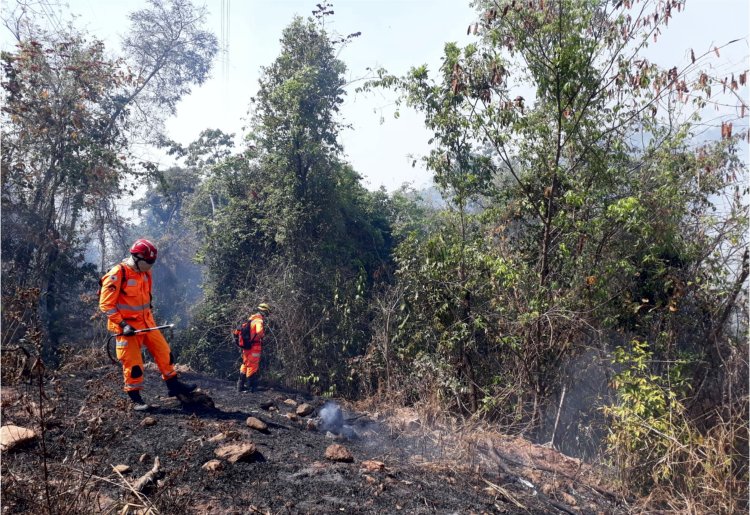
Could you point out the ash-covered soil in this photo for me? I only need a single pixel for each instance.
(396, 466)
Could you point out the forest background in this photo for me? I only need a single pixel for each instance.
(590, 236)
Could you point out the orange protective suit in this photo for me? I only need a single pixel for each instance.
(251, 356)
(129, 300)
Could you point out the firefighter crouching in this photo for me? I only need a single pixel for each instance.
(126, 301)
(250, 340)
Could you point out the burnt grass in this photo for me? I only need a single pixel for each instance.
(90, 428)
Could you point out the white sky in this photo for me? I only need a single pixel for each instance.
(396, 34)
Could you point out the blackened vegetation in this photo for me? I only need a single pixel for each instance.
(90, 429)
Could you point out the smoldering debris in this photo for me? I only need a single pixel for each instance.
(332, 421)
(331, 418)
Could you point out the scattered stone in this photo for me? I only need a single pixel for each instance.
(290, 402)
(369, 479)
(122, 468)
(336, 452)
(372, 465)
(213, 466)
(236, 452)
(217, 438)
(311, 425)
(267, 405)
(273, 408)
(148, 421)
(15, 436)
(256, 424)
(292, 416)
(225, 435)
(144, 457)
(304, 410)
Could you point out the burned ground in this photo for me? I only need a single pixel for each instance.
(396, 466)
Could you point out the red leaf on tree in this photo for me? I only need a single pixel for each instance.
(726, 130)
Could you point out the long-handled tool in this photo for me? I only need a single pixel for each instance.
(146, 330)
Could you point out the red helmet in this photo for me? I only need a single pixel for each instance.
(145, 248)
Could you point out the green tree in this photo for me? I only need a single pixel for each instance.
(177, 279)
(66, 142)
(289, 222)
(592, 190)
(58, 165)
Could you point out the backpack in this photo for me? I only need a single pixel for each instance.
(243, 339)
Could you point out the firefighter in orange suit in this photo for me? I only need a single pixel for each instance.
(250, 339)
(126, 300)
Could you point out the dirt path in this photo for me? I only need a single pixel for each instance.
(92, 429)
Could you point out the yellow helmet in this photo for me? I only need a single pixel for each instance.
(264, 307)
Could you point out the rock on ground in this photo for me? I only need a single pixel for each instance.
(12, 437)
(236, 452)
(338, 452)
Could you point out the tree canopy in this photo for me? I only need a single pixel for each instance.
(590, 235)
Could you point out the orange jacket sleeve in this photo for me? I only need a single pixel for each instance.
(110, 292)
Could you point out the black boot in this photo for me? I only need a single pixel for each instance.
(137, 400)
(241, 383)
(252, 383)
(176, 387)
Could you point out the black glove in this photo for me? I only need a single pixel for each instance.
(127, 329)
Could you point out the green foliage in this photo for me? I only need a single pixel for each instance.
(59, 166)
(66, 160)
(657, 446)
(163, 220)
(583, 211)
(587, 208)
(289, 223)
(644, 421)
